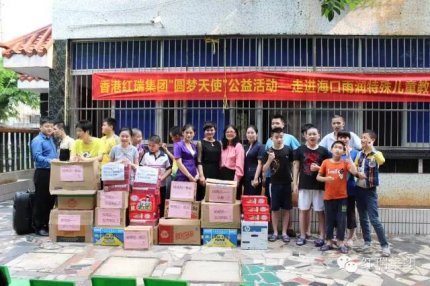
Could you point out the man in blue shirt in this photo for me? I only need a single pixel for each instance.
(278, 121)
(43, 151)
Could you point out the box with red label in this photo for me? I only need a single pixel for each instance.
(112, 200)
(180, 209)
(183, 191)
(117, 188)
(146, 176)
(138, 237)
(75, 200)
(74, 176)
(149, 190)
(143, 202)
(254, 200)
(256, 209)
(71, 225)
(218, 191)
(216, 215)
(179, 231)
(148, 222)
(110, 217)
(256, 217)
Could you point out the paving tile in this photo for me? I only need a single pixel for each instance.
(44, 262)
(127, 267)
(204, 271)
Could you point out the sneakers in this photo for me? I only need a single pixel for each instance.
(319, 242)
(386, 252)
(300, 241)
(343, 249)
(365, 248)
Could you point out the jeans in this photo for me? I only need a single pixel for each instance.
(367, 205)
(335, 216)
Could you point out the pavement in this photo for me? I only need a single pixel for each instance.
(30, 256)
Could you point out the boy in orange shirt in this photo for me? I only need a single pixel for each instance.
(334, 173)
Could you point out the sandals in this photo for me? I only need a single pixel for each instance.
(285, 238)
(343, 249)
(272, 237)
(326, 247)
(301, 241)
(319, 242)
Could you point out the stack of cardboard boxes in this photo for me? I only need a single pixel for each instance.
(256, 214)
(75, 184)
(112, 203)
(220, 214)
(181, 222)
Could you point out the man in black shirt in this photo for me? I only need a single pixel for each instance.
(279, 159)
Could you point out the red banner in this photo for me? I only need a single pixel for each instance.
(391, 87)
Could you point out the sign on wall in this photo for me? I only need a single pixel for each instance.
(391, 87)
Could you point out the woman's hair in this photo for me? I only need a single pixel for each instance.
(127, 129)
(187, 126)
(235, 139)
(209, 124)
(253, 127)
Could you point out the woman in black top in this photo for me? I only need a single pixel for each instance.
(209, 156)
(254, 152)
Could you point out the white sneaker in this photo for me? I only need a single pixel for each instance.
(365, 248)
(386, 252)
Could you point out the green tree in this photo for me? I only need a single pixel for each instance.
(11, 96)
(330, 7)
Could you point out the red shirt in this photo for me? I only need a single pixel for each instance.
(336, 189)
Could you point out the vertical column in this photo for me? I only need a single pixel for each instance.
(57, 81)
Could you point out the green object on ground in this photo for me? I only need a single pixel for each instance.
(41, 282)
(149, 281)
(110, 281)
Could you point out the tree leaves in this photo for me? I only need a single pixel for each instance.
(11, 96)
(330, 7)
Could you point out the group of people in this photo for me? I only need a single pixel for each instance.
(331, 176)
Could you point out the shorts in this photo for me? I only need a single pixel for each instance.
(311, 197)
(281, 197)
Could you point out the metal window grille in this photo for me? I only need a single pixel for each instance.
(399, 125)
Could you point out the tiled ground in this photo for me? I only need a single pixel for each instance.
(32, 256)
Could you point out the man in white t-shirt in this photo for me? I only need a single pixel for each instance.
(65, 142)
(338, 124)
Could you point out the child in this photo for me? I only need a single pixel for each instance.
(333, 173)
(307, 159)
(158, 159)
(125, 152)
(137, 141)
(368, 162)
(350, 154)
(109, 139)
(278, 158)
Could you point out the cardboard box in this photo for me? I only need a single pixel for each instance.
(256, 217)
(75, 200)
(183, 191)
(254, 235)
(110, 217)
(71, 226)
(148, 222)
(254, 200)
(108, 236)
(113, 200)
(179, 231)
(138, 237)
(74, 175)
(142, 203)
(179, 209)
(216, 215)
(220, 237)
(115, 174)
(256, 209)
(117, 188)
(218, 191)
(155, 228)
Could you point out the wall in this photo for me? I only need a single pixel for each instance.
(116, 18)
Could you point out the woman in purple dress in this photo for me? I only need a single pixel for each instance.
(185, 152)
